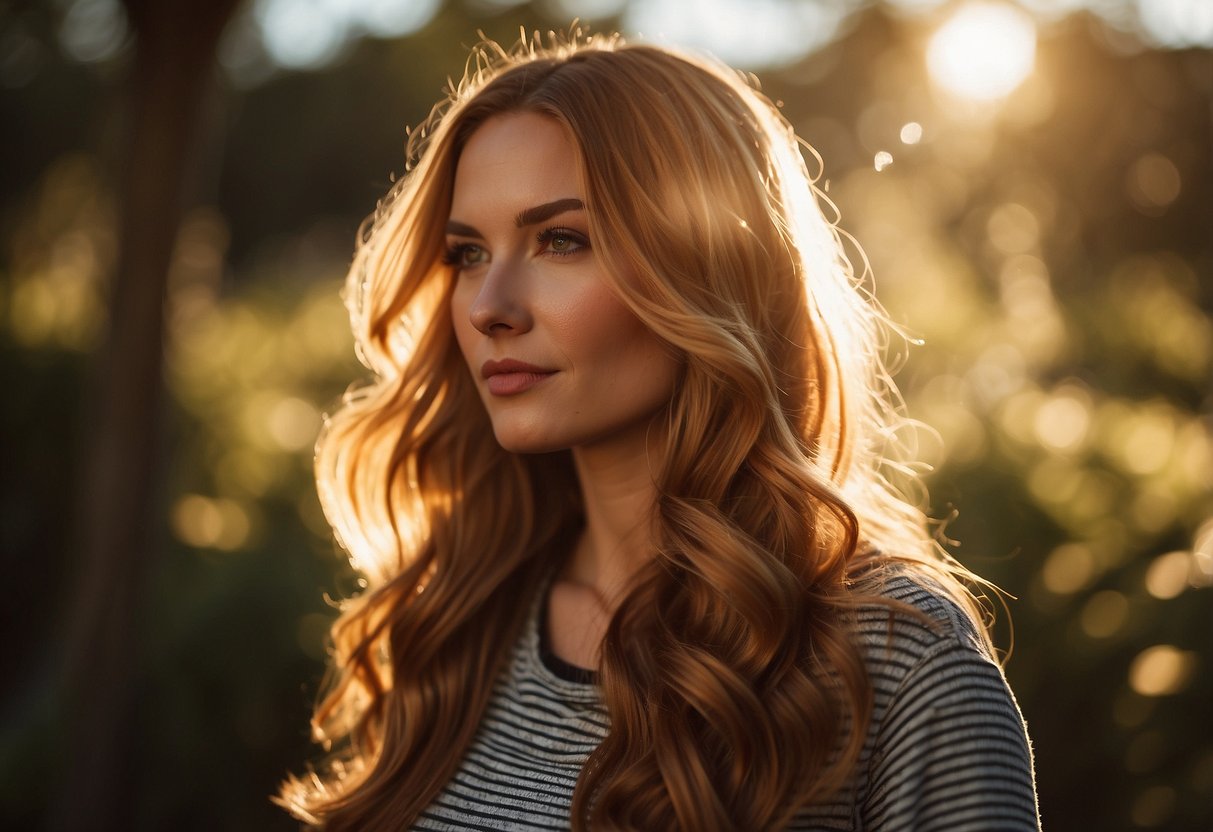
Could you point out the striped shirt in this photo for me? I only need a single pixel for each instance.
(946, 747)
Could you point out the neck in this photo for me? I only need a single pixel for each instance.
(619, 495)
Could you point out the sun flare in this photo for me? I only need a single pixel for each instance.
(983, 51)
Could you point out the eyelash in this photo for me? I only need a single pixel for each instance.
(545, 237)
(453, 256)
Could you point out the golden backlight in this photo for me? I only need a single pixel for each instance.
(983, 51)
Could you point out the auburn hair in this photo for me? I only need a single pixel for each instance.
(735, 689)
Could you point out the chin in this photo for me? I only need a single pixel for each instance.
(528, 441)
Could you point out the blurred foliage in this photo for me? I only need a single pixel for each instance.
(1051, 249)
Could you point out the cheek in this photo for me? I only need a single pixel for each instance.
(595, 324)
(630, 360)
(460, 323)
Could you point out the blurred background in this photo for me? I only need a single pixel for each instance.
(182, 182)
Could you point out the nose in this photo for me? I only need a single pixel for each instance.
(500, 307)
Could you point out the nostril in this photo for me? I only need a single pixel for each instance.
(492, 313)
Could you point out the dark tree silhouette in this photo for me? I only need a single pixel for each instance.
(173, 64)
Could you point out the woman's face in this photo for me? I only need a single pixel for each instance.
(558, 359)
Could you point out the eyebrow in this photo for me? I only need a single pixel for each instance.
(525, 217)
(536, 215)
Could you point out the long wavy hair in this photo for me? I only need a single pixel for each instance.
(734, 685)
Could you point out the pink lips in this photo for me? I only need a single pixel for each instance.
(509, 377)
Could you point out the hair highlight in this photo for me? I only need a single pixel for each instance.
(735, 693)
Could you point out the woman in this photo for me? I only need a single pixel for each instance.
(618, 489)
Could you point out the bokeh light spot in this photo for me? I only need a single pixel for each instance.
(1069, 568)
(1168, 574)
(1161, 670)
(984, 51)
(274, 422)
(1148, 443)
(293, 423)
(60, 302)
(392, 18)
(1178, 23)
(911, 133)
(588, 9)
(996, 374)
(882, 160)
(1153, 182)
(1104, 614)
(776, 32)
(93, 30)
(301, 33)
(1154, 806)
(1061, 422)
(204, 522)
(1013, 228)
(1017, 415)
(1202, 555)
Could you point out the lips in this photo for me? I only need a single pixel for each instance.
(509, 377)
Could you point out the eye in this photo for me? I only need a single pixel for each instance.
(465, 255)
(562, 241)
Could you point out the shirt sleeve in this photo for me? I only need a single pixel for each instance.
(952, 752)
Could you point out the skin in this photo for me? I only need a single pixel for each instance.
(529, 287)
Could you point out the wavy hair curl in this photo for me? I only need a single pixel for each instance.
(729, 670)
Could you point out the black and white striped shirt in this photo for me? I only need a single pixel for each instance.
(946, 747)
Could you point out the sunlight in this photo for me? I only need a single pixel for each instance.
(983, 52)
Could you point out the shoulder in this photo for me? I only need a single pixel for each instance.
(903, 618)
(921, 648)
(948, 748)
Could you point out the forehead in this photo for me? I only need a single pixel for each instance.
(515, 161)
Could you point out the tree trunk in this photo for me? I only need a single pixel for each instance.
(173, 66)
